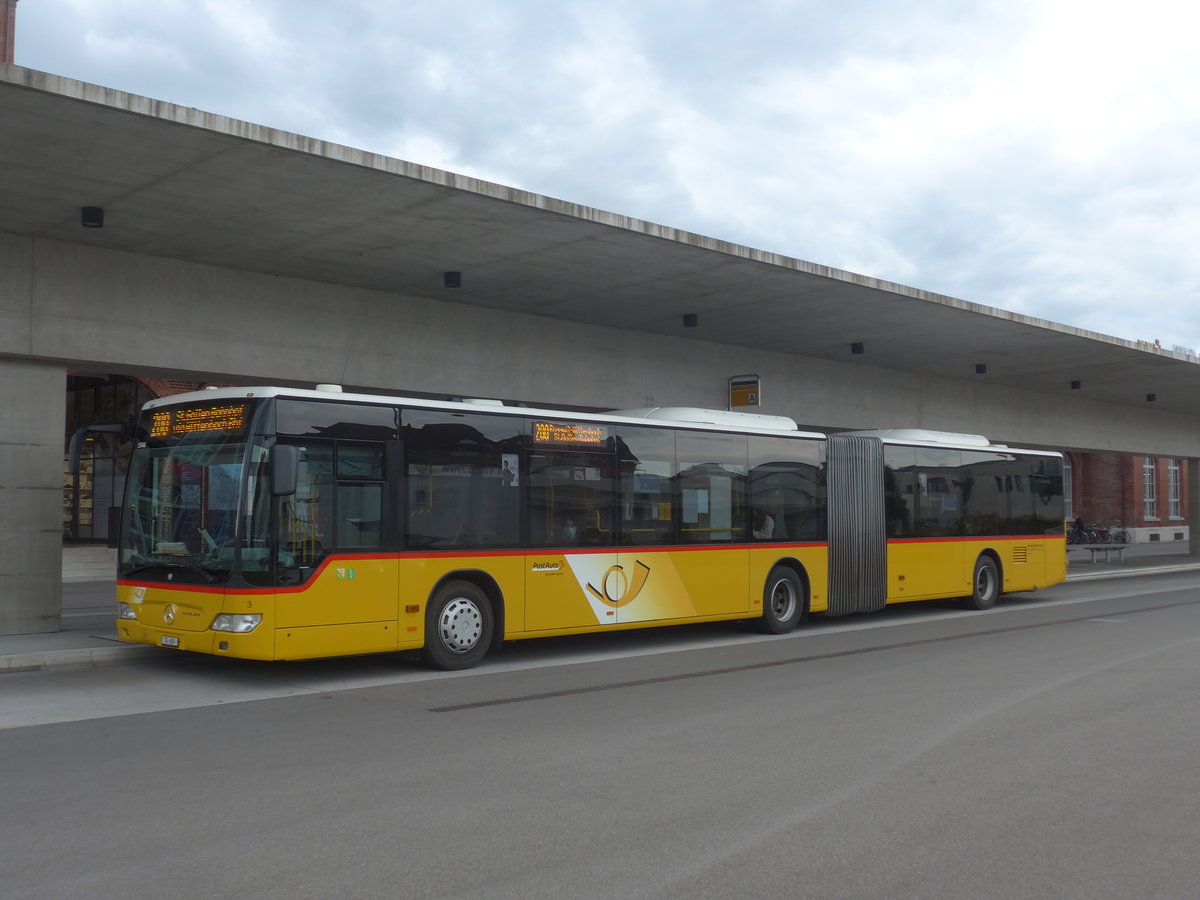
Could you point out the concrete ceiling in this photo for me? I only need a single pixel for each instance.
(177, 182)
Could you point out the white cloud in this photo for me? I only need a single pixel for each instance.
(1032, 154)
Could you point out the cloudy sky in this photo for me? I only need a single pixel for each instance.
(1035, 155)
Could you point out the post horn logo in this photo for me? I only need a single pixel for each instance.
(625, 588)
(169, 613)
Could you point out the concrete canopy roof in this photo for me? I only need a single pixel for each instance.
(181, 183)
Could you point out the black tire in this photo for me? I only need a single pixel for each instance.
(784, 602)
(985, 585)
(458, 626)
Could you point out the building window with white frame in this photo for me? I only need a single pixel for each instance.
(1174, 499)
(1149, 489)
(1068, 498)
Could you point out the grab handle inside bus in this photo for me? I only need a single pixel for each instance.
(285, 464)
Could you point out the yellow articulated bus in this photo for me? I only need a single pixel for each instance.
(274, 523)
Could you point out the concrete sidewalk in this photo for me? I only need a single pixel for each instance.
(89, 636)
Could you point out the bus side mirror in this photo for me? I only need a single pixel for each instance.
(285, 464)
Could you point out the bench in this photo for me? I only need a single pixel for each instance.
(1107, 550)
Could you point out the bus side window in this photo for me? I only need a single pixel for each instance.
(711, 479)
(359, 495)
(939, 492)
(571, 498)
(787, 491)
(646, 462)
(463, 480)
(900, 497)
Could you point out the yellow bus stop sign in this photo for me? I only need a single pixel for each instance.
(745, 390)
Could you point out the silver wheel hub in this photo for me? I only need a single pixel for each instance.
(460, 625)
(783, 599)
(985, 584)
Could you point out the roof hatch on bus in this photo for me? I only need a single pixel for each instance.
(710, 417)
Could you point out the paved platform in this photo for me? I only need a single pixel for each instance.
(89, 636)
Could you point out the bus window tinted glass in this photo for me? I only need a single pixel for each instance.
(939, 485)
(359, 461)
(572, 499)
(348, 421)
(646, 459)
(1047, 482)
(306, 518)
(711, 481)
(900, 485)
(334, 506)
(985, 498)
(787, 489)
(359, 515)
(463, 479)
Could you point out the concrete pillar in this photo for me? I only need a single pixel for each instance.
(32, 421)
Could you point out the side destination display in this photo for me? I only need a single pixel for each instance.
(569, 433)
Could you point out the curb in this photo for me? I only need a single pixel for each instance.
(74, 657)
(1129, 573)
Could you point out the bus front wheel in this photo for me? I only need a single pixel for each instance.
(458, 626)
(985, 584)
(783, 602)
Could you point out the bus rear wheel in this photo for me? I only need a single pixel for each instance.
(458, 626)
(985, 584)
(783, 602)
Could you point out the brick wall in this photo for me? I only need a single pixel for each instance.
(1109, 490)
(8, 29)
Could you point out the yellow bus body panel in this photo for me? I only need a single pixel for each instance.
(920, 570)
(180, 617)
(940, 568)
(377, 603)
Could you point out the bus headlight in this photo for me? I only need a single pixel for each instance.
(238, 623)
(125, 611)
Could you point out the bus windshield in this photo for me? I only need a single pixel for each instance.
(191, 513)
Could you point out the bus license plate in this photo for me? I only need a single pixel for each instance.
(170, 641)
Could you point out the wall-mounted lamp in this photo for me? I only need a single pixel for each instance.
(1076, 385)
(690, 320)
(980, 368)
(91, 217)
(856, 347)
(1150, 398)
(452, 279)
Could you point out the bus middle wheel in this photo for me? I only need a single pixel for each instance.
(783, 602)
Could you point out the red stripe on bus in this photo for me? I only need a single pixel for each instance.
(975, 539)
(453, 554)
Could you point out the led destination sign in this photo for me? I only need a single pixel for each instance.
(166, 423)
(570, 433)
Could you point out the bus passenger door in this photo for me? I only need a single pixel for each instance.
(571, 509)
(337, 587)
(706, 571)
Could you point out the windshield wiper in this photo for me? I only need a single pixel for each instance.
(184, 563)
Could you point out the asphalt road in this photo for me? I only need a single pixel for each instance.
(1048, 748)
